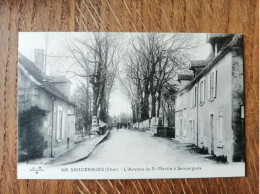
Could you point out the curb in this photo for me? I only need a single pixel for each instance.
(99, 142)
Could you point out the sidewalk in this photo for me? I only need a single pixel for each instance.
(80, 151)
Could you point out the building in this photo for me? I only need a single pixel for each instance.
(46, 123)
(209, 108)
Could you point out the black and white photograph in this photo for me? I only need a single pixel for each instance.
(110, 105)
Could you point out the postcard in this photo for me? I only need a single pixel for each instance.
(130, 105)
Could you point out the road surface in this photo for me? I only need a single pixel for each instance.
(130, 154)
(134, 147)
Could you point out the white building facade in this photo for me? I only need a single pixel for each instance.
(208, 108)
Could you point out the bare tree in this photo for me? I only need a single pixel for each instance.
(128, 87)
(132, 85)
(83, 97)
(158, 56)
(96, 60)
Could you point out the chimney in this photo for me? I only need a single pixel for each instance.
(39, 59)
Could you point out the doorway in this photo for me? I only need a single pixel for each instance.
(180, 128)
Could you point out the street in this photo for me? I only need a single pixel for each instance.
(130, 154)
(134, 147)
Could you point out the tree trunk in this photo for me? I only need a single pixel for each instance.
(145, 103)
(133, 112)
(95, 101)
(153, 113)
(159, 103)
(102, 102)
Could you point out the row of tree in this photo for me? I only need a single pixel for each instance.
(149, 65)
(153, 61)
(95, 64)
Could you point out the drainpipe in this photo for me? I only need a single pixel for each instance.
(52, 125)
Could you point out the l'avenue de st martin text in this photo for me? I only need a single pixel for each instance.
(131, 169)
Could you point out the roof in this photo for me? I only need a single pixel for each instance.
(201, 63)
(216, 37)
(185, 77)
(42, 78)
(234, 43)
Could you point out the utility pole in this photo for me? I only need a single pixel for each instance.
(46, 51)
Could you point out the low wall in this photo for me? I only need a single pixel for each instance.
(165, 132)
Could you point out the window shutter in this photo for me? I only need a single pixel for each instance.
(215, 84)
(57, 124)
(193, 127)
(195, 96)
(204, 89)
(199, 90)
(191, 97)
(209, 87)
(184, 128)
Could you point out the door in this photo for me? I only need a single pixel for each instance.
(191, 131)
(212, 133)
(180, 128)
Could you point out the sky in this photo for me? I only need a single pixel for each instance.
(119, 103)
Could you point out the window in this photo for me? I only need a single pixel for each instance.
(212, 85)
(202, 91)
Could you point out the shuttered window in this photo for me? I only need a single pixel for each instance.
(202, 91)
(212, 85)
(194, 96)
(215, 84)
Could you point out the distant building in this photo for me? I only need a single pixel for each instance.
(46, 113)
(209, 107)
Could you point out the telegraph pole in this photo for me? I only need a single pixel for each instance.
(46, 50)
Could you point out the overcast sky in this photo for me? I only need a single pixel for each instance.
(28, 41)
